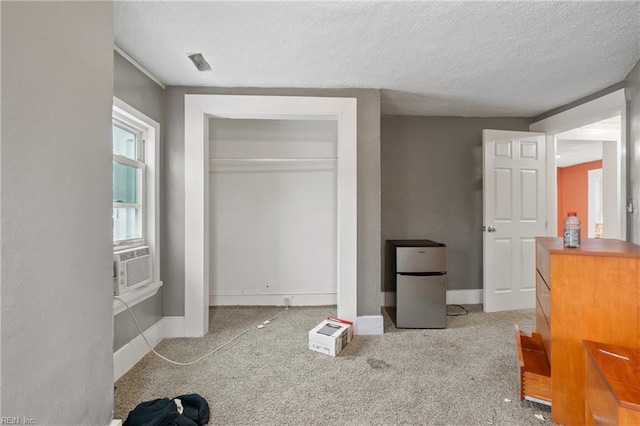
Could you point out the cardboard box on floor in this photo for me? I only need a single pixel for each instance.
(331, 336)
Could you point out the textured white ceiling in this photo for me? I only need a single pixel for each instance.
(570, 152)
(470, 58)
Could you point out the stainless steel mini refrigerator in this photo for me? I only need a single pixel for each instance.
(420, 283)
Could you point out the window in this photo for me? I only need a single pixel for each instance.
(129, 178)
(136, 207)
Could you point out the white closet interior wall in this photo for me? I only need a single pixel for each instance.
(273, 212)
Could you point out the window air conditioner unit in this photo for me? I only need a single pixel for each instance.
(132, 268)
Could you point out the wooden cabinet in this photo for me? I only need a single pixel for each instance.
(612, 395)
(588, 293)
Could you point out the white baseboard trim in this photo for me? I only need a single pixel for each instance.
(370, 325)
(454, 297)
(130, 354)
(310, 299)
(464, 297)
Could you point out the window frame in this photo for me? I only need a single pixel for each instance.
(151, 194)
(124, 122)
(151, 216)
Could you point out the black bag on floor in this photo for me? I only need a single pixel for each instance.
(164, 412)
(196, 408)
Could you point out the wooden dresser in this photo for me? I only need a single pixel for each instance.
(587, 293)
(613, 384)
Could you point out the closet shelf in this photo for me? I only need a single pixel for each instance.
(271, 164)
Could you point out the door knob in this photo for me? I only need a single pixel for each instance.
(491, 229)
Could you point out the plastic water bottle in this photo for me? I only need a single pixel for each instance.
(572, 230)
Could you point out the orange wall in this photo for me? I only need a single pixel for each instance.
(573, 193)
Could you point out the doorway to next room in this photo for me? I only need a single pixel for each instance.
(587, 169)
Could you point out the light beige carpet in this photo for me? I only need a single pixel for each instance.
(465, 374)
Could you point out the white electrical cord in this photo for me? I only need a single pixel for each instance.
(202, 357)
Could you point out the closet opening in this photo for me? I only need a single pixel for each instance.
(273, 212)
(199, 111)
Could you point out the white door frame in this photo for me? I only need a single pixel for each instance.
(198, 110)
(589, 112)
(594, 182)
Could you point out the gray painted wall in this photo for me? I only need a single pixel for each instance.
(368, 190)
(633, 95)
(136, 89)
(147, 313)
(432, 186)
(56, 256)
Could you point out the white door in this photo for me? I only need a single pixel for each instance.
(514, 213)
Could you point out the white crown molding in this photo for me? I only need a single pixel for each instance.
(140, 67)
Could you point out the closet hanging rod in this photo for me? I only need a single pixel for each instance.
(235, 164)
